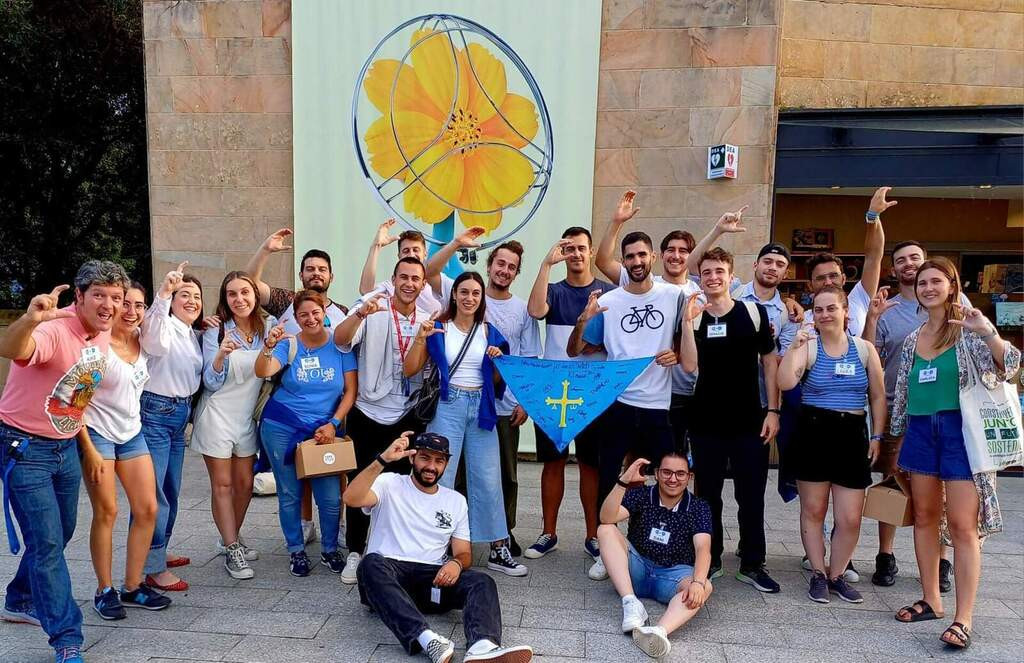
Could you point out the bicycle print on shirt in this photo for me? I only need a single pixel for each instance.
(638, 318)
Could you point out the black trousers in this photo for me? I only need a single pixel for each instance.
(370, 438)
(399, 592)
(679, 415)
(747, 455)
(642, 432)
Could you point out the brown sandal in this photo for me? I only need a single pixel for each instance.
(925, 614)
(959, 631)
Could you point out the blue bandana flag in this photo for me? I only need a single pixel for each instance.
(563, 397)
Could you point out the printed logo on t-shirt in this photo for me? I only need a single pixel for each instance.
(74, 391)
(638, 318)
(314, 374)
(444, 519)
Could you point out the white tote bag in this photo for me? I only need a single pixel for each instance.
(991, 424)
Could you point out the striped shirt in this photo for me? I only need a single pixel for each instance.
(836, 383)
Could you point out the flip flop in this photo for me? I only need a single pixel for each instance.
(179, 586)
(926, 613)
(958, 631)
(181, 561)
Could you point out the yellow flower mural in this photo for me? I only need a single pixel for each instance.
(483, 170)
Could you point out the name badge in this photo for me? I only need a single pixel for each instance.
(435, 595)
(716, 331)
(139, 376)
(310, 363)
(927, 375)
(659, 536)
(90, 353)
(844, 368)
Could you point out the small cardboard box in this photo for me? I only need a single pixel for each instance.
(886, 503)
(321, 460)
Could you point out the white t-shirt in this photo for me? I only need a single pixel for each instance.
(114, 409)
(410, 525)
(467, 374)
(637, 326)
(334, 317)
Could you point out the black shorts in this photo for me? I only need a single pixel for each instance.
(587, 445)
(831, 446)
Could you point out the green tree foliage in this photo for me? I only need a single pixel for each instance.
(72, 142)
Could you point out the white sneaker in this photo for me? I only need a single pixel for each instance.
(440, 649)
(634, 615)
(518, 654)
(251, 554)
(264, 484)
(652, 640)
(234, 562)
(308, 531)
(348, 575)
(597, 571)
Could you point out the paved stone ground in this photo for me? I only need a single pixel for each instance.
(557, 609)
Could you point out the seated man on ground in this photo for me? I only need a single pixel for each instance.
(406, 571)
(665, 554)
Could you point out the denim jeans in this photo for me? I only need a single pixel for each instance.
(163, 424)
(326, 491)
(399, 592)
(651, 581)
(44, 497)
(456, 419)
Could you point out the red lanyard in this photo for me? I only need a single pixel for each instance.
(403, 342)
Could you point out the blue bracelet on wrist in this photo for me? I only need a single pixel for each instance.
(871, 216)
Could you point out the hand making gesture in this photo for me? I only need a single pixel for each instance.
(172, 281)
(557, 253)
(634, 474)
(384, 236)
(276, 242)
(730, 221)
(625, 211)
(878, 202)
(593, 308)
(398, 449)
(43, 308)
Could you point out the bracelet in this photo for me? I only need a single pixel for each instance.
(622, 483)
(871, 216)
(380, 460)
(876, 438)
(360, 314)
(775, 410)
(456, 560)
(268, 353)
(995, 332)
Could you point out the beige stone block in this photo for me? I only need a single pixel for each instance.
(803, 57)
(615, 167)
(277, 18)
(763, 12)
(617, 129)
(199, 233)
(645, 49)
(236, 18)
(695, 13)
(733, 47)
(719, 196)
(159, 96)
(221, 168)
(974, 66)
(647, 128)
(804, 19)
(895, 95)
(1009, 68)
(758, 87)
(821, 93)
(256, 131)
(232, 94)
(183, 57)
(220, 201)
(618, 89)
(260, 55)
(991, 96)
(622, 14)
(914, 25)
(867, 62)
(177, 131)
(688, 88)
(750, 125)
(931, 65)
(245, 201)
(1001, 30)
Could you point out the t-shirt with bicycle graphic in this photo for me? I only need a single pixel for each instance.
(637, 326)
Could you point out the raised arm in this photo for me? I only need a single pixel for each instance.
(612, 510)
(537, 306)
(358, 494)
(467, 239)
(266, 364)
(416, 357)
(576, 345)
(271, 245)
(727, 223)
(156, 324)
(348, 328)
(605, 260)
(368, 277)
(687, 341)
(874, 241)
(794, 362)
(17, 343)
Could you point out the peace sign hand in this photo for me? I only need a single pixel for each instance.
(878, 202)
(625, 211)
(557, 252)
(43, 308)
(384, 236)
(973, 320)
(730, 221)
(173, 280)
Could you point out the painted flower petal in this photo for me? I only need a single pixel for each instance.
(409, 94)
(414, 130)
(433, 60)
(502, 171)
(486, 77)
(475, 197)
(443, 175)
(520, 113)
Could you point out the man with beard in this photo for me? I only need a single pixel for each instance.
(560, 305)
(411, 244)
(637, 320)
(508, 313)
(315, 273)
(407, 571)
(381, 330)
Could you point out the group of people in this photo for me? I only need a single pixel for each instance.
(859, 381)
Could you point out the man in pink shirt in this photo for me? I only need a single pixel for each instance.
(58, 358)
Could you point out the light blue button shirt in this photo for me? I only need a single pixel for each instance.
(778, 318)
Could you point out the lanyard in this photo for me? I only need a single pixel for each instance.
(403, 342)
(16, 450)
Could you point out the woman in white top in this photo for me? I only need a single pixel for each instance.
(175, 358)
(223, 429)
(112, 442)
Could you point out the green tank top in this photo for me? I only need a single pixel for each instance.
(931, 396)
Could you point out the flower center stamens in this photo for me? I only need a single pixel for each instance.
(462, 130)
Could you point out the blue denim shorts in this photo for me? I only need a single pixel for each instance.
(934, 445)
(651, 581)
(111, 450)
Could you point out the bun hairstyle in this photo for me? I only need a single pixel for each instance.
(840, 295)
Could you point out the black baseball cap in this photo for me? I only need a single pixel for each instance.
(776, 248)
(431, 442)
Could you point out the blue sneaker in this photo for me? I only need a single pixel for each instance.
(144, 597)
(545, 544)
(590, 545)
(68, 655)
(24, 615)
(107, 605)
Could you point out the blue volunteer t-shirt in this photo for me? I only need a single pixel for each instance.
(691, 516)
(314, 383)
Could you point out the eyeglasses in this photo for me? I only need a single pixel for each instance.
(681, 475)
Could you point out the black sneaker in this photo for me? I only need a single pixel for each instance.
(885, 570)
(144, 597)
(513, 546)
(500, 559)
(108, 606)
(758, 579)
(335, 561)
(818, 590)
(842, 589)
(945, 576)
(299, 565)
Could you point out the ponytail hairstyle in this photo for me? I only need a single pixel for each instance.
(840, 294)
(948, 333)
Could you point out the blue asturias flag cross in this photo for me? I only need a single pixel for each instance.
(564, 396)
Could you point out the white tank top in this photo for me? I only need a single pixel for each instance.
(468, 372)
(114, 410)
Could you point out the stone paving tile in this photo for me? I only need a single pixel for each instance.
(545, 642)
(261, 648)
(259, 622)
(607, 647)
(760, 654)
(128, 644)
(173, 618)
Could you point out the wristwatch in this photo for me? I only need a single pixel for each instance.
(775, 410)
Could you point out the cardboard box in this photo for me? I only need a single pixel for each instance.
(321, 460)
(886, 503)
